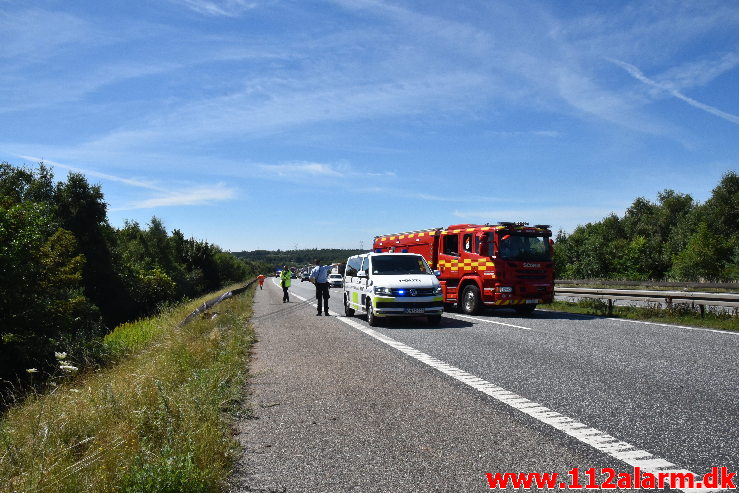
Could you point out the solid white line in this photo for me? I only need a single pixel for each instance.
(703, 329)
(597, 439)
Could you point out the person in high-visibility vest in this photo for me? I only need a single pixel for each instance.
(260, 278)
(285, 278)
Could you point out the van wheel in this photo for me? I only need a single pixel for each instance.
(471, 300)
(349, 312)
(527, 309)
(371, 318)
(434, 319)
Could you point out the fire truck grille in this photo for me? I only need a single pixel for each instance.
(409, 304)
(535, 275)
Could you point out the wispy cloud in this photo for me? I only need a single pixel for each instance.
(226, 8)
(134, 182)
(699, 73)
(668, 88)
(165, 197)
(301, 169)
(202, 195)
(531, 133)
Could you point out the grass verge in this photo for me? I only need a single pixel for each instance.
(155, 421)
(679, 314)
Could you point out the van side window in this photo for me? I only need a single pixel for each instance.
(467, 243)
(451, 245)
(365, 265)
(353, 266)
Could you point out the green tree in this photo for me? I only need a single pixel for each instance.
(705, 257)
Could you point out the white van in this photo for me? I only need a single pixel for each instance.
(391, 284)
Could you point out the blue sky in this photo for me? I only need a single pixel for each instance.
(282, 123)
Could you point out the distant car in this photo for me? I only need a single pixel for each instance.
(305, 276)
(335, 280)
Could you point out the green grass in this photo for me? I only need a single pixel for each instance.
(679, 314)
(158, 420)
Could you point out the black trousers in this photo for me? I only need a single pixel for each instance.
(322, 296)
(285, 296)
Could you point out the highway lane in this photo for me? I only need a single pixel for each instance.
(669, 390)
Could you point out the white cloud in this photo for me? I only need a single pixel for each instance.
(226, 8)
(202, 195)
(166, 197)
(292, 169)
(134, 182)
(699, 73)
(638, 75)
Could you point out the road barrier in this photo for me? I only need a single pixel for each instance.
(212, 302)
(695, 298)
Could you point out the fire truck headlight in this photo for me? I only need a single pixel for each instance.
(505, 289)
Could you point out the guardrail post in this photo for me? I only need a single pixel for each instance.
(703, 310)
(610, 307)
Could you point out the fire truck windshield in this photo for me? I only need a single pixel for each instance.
(385, 265)
(514, 246)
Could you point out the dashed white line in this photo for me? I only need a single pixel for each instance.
(456, 315)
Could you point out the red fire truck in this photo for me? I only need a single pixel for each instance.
(497, 265)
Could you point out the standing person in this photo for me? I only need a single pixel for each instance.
(260, 278)
(319, 276)
(285, 278)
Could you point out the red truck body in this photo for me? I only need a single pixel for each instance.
(500, 265)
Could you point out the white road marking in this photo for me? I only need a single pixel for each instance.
(599, 440)
(703, 329)
(488, 321)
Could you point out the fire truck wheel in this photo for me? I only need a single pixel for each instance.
(471, 300)
(371, 318)
(525, 309)
(349, 312)
(434, 319)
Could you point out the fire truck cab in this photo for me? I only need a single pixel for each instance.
(501, 265)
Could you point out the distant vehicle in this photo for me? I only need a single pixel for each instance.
(305, 276)
(335, 280)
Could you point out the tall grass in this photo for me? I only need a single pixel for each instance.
(156, 421)
(678, 314)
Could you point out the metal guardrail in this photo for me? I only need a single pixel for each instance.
(699, 299)
(652, 284)
(214, 301)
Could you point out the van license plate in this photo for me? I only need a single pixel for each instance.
(414, 310)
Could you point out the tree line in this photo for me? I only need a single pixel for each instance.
(672, 239)
(67, 276)
(275, 259)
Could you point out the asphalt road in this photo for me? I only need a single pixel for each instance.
(340, 406)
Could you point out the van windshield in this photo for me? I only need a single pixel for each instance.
(384, 265)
